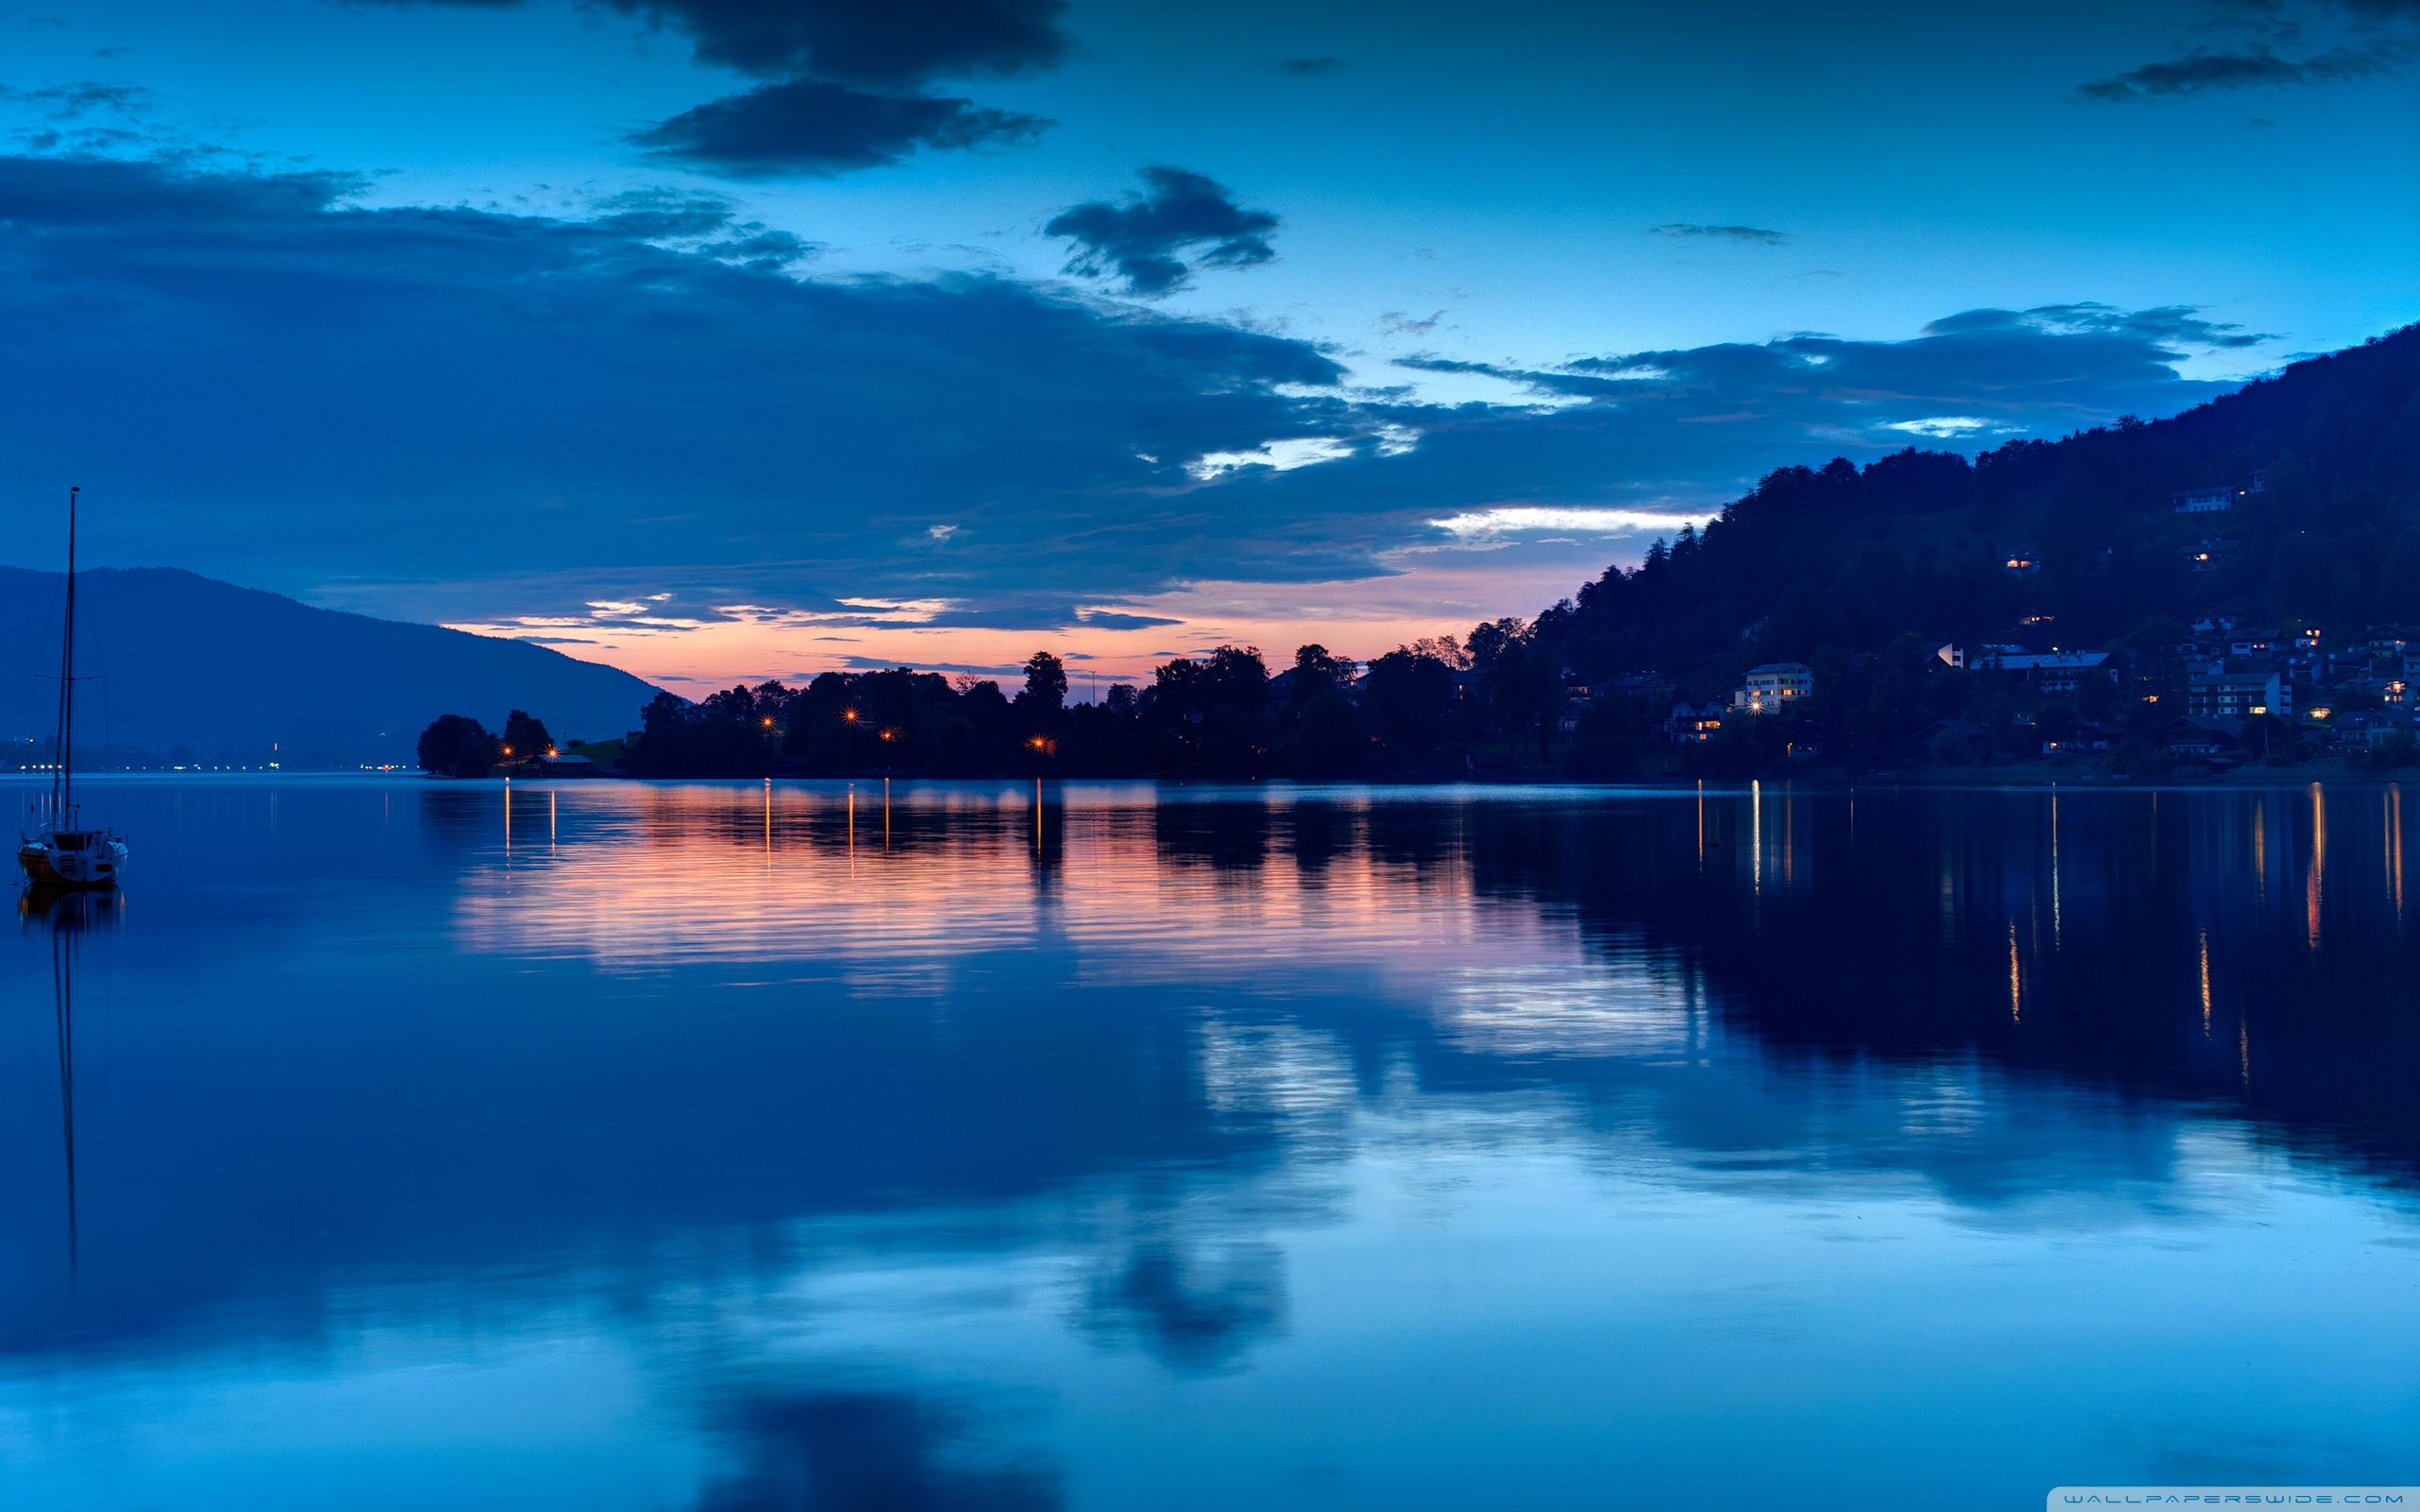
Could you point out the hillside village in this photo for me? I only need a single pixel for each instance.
(2213, 693)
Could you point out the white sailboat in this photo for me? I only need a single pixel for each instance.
(62, 852)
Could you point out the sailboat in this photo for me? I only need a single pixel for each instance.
(62, 852)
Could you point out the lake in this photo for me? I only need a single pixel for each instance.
(737, 1146)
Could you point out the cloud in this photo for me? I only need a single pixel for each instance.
(806, 126)
(2173, 329)
(1307, 67)
(1940, 427)
(1484, 523)
(73, 101)
(2203, 72)
(1156, 240)
(1398, 323)
(1280, 456)
(603, 410)
(1109, 619)
(704, 223)
(879, 43)
(744, 436)
(846, 77)
(1755, 234)
(665, 214)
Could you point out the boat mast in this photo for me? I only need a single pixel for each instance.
(62, 781)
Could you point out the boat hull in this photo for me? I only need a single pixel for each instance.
(90, 868)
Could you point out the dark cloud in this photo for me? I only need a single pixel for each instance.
(1307, 66)
(1399, 323)
(1728, 233)
(1108, 620)
(1155, 241)
(2203, 72)
(883, 43)
(807, 125)
(2174, 330)
(846, 77)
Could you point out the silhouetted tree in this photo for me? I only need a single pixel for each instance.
(456, 746)
(1317, 671)
(524, 736)
(1046, 685)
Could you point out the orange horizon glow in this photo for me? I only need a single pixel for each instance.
(1362, 619)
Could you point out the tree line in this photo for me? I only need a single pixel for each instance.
(1418, 710)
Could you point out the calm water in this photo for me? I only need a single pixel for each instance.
(716, 1147)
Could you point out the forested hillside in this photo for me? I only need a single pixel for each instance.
(1836, 559)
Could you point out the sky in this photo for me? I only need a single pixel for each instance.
(734, 339)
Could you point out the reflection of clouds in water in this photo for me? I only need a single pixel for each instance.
(866, 1449)
(1194, 1306)
(1624, 1007)
(1263, 1069)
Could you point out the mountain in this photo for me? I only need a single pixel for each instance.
(1846, 560)
(187, 660)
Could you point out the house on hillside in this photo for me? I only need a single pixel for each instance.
(2056, 672)
(1770, 688)
(2218, 737)
(1692, 724)
(2086, 736)
(2376, 727)
(1646, 688)
(2219, 499)
(2386, 641)
(2224, 694)
(2358, 691)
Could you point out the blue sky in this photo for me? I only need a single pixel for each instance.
(733, 338)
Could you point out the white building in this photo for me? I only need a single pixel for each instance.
(2201, 501)
(1773, 687)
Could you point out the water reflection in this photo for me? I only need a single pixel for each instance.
(64, 916)
(877, 1141)
(2115, 920)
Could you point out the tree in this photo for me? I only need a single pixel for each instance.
(524, 736)
(1408, 699)
(456, 746)
(1046, 685)
(1318, 671)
